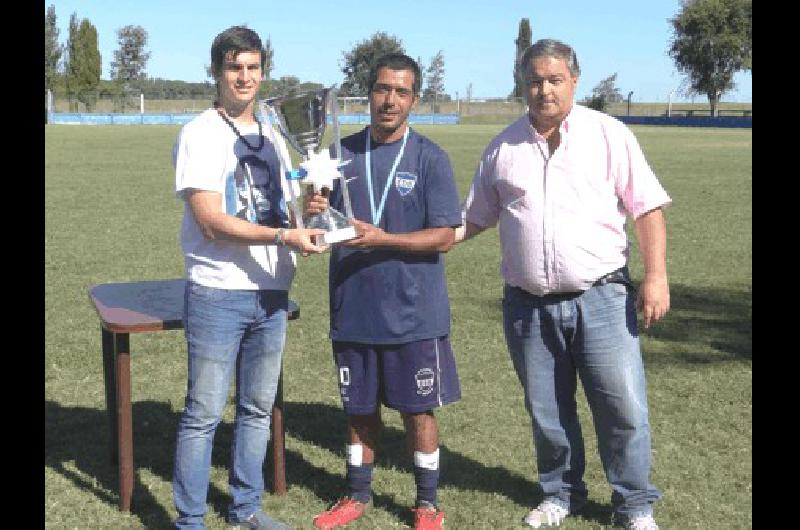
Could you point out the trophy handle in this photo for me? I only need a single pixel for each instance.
(286, 161)
(337, 148)
(333, 96)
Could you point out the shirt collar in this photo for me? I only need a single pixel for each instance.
(563, 128)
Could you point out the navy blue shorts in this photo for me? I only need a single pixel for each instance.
(413, 377)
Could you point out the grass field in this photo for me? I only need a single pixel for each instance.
(112, 216)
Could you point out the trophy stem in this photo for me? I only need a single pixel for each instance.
(329, 221)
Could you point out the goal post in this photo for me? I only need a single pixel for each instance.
(353, 104)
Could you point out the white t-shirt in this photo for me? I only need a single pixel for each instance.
(208, 155)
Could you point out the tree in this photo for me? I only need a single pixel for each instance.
(286, 85)
(603, 93)
(268, 54)
(52, 49)
(607, 89)
(712, 40)
(358, 60)
(84, 64)
(71, 60)
(434, 80)
(523, 41)
(130, 60)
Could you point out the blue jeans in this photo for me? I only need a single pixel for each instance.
(552, 340)
(226, 331)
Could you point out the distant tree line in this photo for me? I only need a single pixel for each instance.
(356, 63)
(73, 71)
(712, 41)
(157, 88)
(152, 88)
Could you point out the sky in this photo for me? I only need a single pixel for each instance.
(476, 37)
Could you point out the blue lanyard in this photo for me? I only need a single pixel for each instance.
(376, 216)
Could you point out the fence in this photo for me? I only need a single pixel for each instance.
(475, 107)
(136, 109)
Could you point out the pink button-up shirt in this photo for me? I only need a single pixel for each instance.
(562, 216)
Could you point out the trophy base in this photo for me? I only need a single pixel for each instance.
(337, 236)
(337, 227)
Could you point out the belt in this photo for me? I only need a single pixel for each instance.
(620, 275)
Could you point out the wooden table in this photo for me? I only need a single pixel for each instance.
(141, 307)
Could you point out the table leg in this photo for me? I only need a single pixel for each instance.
(278, 443)
(110, 382)
(124, 420)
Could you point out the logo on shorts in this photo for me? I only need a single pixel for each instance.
(344, 382)
(344, 376)
(404, 182)
(424, 380)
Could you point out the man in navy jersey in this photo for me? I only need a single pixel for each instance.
(390, 315)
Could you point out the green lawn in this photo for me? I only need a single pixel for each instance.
(112, 216)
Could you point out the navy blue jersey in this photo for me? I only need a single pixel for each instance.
(390, 296)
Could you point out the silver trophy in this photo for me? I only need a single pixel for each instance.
(301, 119)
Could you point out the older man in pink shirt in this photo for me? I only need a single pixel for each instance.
(559, 183)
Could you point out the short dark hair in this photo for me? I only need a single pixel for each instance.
(395, 61)
(547, 48)
(235, 39)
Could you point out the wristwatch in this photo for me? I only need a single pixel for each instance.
(279, 237)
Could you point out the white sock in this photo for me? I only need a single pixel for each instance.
(355, 454)
(427, 460)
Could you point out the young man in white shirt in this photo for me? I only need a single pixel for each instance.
(238, 245)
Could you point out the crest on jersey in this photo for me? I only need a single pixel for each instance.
(405, 182)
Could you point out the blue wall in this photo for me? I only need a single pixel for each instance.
(118, 119)
(693, 121)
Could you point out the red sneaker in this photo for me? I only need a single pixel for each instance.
(428, 519)
(343, 512)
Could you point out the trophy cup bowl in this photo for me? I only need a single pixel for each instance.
(301, 119)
